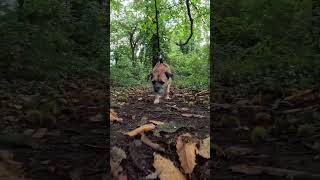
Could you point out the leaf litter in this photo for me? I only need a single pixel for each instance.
(187, 148)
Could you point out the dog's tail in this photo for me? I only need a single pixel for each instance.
(159, 58)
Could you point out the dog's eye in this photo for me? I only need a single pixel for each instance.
(161, 82)
(153, 82)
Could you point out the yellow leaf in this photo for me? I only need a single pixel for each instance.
(166, 169)
(204, 149)
(141, 129)
(186, 149)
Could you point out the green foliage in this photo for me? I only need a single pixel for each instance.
(44, 40)
(270, 46)
(131, 65)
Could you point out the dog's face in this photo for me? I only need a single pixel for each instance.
(160, 77)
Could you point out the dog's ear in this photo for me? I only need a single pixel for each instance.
(149, 77)
(169, 75)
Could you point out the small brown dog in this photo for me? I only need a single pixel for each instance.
(161, 78)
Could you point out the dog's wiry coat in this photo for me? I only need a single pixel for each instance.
(161, 78)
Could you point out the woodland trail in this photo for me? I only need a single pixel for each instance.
(138, 109)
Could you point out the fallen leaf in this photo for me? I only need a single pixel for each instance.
(192, 115)
(153, 175)
(117, 172)
(117, 155)
(11, 118)
(114, 116)
(186, 150)
(156, 122)
(184, 109)
(97, 118)
(169, 127)
(204, 149)
(141, 129)
(166, 169)
(139, 99)
(40, 133)
(235, 151)
(10, 169)
(28, 132)
(244, 168)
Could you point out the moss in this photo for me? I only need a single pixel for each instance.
(306, 130)
(48, 120)
(191, 104)
(229, 121)
(282, 124)
(259, 134)
(34, 116)
(262, 116)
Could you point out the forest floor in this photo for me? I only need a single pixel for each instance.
(266, 135)
(52, 131)
(57, 131)
(135, 107)
(286, 143)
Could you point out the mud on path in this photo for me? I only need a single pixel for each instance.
(56, 131)
(137, 108)
(290, 142)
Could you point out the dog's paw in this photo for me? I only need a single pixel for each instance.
(156, 101)
(167, 98)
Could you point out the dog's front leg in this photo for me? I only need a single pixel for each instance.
(157, 100)
(167, 91)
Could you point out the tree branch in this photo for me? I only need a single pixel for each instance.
(157, 21)
(191, 25)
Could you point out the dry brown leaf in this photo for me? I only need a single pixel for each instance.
(40, 133)
(244, 168)
(10, 169)
(235, 151)
(141, 129)
(186, 149)
(114, 116)
(299, 95)
(166, 169)
(204, 149)
(156, 122)
(192, 115)
(184, 109)
(117, 171)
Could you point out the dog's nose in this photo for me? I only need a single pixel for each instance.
(156, 89)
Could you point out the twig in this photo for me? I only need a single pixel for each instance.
(95, 146)
(148, 142)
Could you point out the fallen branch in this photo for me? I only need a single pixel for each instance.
(148, 142)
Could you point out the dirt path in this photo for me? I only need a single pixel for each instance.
(139, 109)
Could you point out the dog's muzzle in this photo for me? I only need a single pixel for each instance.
(158, 89)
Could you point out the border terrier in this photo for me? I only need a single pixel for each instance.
(161, 78)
